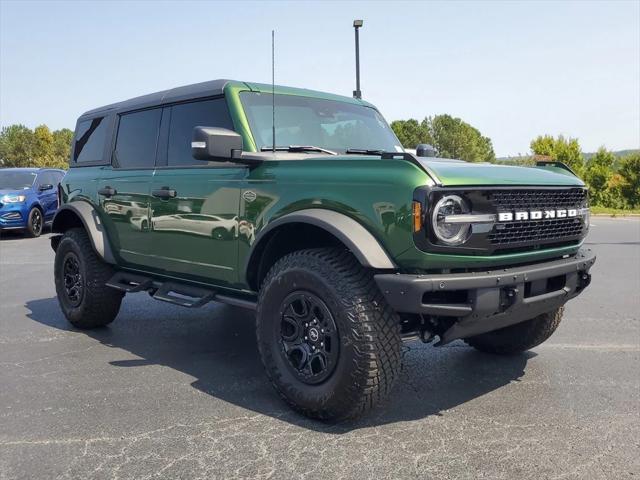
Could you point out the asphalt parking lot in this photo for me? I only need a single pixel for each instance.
(167, 392)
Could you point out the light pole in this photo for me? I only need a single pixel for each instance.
(356, 25)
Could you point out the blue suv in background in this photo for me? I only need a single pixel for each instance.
(28, 198)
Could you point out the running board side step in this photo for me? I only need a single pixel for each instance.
(181, 294)
(130, 282)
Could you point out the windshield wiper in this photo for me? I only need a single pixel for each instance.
(363, 151)
(299, 148)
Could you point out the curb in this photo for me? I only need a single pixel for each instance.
(637, 215)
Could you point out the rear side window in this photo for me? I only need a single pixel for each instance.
(137, 139)
(89, 140)
(186, 116)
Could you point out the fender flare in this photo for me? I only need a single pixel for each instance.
(364, 246)
(92, 224)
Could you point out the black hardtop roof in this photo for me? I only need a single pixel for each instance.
(177, 94)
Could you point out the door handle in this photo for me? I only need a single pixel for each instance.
(164, 193)
(107, 191)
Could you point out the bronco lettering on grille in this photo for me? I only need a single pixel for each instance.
(538, 214)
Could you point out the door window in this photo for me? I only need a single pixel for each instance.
(137, 139)
(47, 178)
(184, 118)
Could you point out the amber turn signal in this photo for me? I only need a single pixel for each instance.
(417, 216)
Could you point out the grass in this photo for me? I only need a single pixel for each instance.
(614, 211)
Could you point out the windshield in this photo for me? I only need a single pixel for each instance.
(11, 180)
(329, 124)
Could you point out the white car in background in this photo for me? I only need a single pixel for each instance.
(198, 224)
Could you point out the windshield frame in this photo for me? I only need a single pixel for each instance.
(7, 172)
(263, 144)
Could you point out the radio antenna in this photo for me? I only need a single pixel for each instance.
(273, 90)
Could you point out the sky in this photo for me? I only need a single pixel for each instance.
(512, 69)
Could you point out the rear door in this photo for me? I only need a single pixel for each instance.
(194, 227)
(124, 186)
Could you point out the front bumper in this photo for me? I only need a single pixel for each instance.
(12, 216)
(485, 301)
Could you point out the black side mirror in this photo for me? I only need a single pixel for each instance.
(45, 186)
(425, 150)
(213, 143)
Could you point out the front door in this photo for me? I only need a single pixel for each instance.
(124, 187)
(194, 204)
(48, 197)
(195, 227)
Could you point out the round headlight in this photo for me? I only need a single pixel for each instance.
(450, 233)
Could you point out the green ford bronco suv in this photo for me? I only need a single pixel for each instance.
(343, 243)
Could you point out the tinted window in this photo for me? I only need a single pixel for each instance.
(89, 140)
(47, 178)
(137, 139)
(184, 117)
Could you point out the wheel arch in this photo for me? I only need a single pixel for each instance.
(83, 214)
(312, 228)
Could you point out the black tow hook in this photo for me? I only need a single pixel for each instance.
(584, 279)
(508, 297)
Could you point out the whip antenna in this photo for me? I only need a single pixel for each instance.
(273, 90)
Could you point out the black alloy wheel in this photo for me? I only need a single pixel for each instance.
(36, 222)
(309, 337)
(73, 281)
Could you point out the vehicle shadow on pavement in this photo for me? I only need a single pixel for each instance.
(216, 345)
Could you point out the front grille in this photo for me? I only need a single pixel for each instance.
(534, 232)
(519, 232)
(508, 200)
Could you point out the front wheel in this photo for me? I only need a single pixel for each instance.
(80, 277)
(519, 337)
(35, 222)
(329, 342)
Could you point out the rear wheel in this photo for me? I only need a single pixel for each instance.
(35, 222)
(519, 337)
(329, 342)
(80, 277)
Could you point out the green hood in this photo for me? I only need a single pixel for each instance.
(453, 173)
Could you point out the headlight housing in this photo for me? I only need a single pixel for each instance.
(451, 233)
(13, 198)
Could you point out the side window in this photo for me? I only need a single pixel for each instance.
(137, 139)
(186, 116)
(89, 140)
(45, 178)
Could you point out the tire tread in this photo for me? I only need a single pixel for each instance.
(374, 330)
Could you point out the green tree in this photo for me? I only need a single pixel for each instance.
(630, 173)
(411, 132)
(451, 136)
(22, 147)
(16, 146)
(561, 149)
(42, 146)
(62, 147)
(597, 174)
(454, 138)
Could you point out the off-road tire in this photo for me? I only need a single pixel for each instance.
(369, 333)
(98, 305)
(34, 230)
(519, 337)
